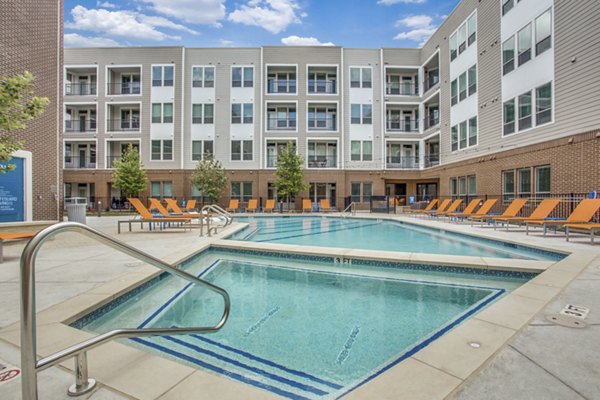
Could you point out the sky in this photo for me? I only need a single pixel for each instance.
(253, 23)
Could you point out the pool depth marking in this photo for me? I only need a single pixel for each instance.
(348, 345)
(260, 323)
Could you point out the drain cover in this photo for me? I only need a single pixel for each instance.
(565, 320)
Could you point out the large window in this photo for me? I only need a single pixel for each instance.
(162, 113)
(361, 150)
(473, 131)
(453, 47)
(464, 134)
(242, 77)
(242, 113)
(542, 180)
(162, 150)
(360, 77)
(472, 185)
(162, 75)
(509, 117)
(508, 185)
(203, 77)
(361, 114)
(241, 150)
(472, 29)
(524, 41)
(454, 137)
(202, 149)
(543, 104)
(543, 32)
(361, 192)
(508, 55)
(203, 113)
(472, 80)
(507, 5)
(162, 189)
(454, 91)
(464, 37)
(241, 191)
(462, 86)
(524, 182)
(322, 118)
(525, 110)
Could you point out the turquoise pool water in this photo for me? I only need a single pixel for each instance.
(303, 327)
(374, 234)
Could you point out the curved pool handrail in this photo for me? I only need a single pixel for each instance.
(30, 366)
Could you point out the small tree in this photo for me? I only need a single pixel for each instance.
(17, 105)
(209, 177)
(289, 176)
(129, 175)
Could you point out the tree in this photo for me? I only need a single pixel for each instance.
(209, 177)
(289, 176)
(129, 174)
(17, 105)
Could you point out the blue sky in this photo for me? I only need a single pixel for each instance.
(253, 23)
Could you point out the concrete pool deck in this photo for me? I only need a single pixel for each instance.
(526, 356)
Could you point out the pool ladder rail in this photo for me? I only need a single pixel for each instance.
(350, 210)
(217, 209)
(30, 366)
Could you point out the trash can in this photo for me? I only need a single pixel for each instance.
(76, 208)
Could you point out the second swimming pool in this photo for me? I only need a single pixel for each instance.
(379, 234)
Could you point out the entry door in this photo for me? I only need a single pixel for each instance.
(82, 151)
(408, 158)
(83, 85)
(331, 193)
(407, 121)
(82, 119)
(125, 84)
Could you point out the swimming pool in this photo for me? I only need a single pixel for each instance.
(304, 327)
(379, 234)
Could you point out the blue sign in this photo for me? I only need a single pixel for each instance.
(12, 192)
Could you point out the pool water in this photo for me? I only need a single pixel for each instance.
(303, 327)
(377, 234)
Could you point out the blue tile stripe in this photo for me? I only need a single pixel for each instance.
(218, 370)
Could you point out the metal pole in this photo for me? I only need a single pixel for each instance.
(82, 383)
(28, 326)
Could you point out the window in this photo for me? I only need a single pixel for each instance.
(472, 29)
(162, 75)
(167, 113)
(473, 131)
(453, 186)
(508, 185)
(472, 73)
(366, 114)
(367, 150)
(355, 113)
(508, 55)
(454, 137)
(524, 43)
(155, 189)
(281, 82)
(543, 104)
(242, 113)
(322, 118)
(242, 77)
(361, 192)
(281, 118)
(525, 120)
(509, 117)
(241, 150)
(361, 114)
(524, 183)
(543, 32)
(542, 180)
(472, 185)
(507, 5)
(462, 86)
(197, 113)
(360, 77)
(361, 150)
(203, 77)
(453, 47)
(462, 38)
(156, 113)
(454, 91)
(209, 113)
(462, 186)
(462, 134)
(241, 191)
(321, 82)
(202, 149)
(355, 150)
(162, 150)
(162, 113)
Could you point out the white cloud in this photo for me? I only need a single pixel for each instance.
(126, 24)
(303, 41)
(76, 40)
(106, 4)
(206, 12)
(390, 2)
(273, 15)
(421, 27)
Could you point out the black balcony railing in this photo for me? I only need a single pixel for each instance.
(322, 124)
(281, 86)
(402, 162)
(321, 86)
(281, 124)
(402, 125)
(322, 162)
(432, 121)
(431, 81)
(401, 89)
(76, 162)
(119, 88)
(431, 160)
(80, 89)
(123, 125)
(87, 125)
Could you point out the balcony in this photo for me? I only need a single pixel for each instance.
(322, 86)
(432, 80)
(272, 160)
(432, 160)
(123, 125)
(322, 162)
(127, 88)
(402, 125)
(401, 81)
(81, 81)
(281, 86)
(82, 125)
(402, 162)
(401, 89)
(80, 89)
(124, 81)
(431, 121)
(281, 80)
(77, 162)
(322, 117)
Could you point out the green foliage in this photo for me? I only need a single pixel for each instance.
(17, 105)
(289, 176)
(209, 177)
(129, 174)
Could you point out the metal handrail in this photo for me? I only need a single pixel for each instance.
(350, 210)
(219, 210)
(30, 366)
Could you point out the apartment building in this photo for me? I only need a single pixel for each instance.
(499, 101)
(31, 40)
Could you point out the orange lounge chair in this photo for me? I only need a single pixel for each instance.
(252, 205)
(172, 206)
(269, 205)
(583, 213)
(512, 210)
(429, 207)
(452, 208)
(591, 229)
(540, 213)
(325, 206)
(234, 205)
(190, 205)
(155, 204)
(146, 216)
(483, 211)
(469, 210)
(441, 208)
(13, 236)
(306, 205)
